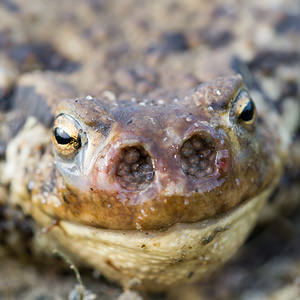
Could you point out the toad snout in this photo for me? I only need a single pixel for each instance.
(136, 165)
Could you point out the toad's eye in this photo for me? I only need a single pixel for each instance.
(245, 108)
(66, 136)
(62, 137)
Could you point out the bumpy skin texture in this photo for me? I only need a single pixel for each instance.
(89, 187)
(160, 171)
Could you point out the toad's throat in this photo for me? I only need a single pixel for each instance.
(183, 248)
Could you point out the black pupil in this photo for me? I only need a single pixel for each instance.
(248, 112)
(62, 137)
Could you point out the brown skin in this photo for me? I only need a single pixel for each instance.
(102, 192)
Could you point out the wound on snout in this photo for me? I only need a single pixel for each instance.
(197, 156)
(134, 169)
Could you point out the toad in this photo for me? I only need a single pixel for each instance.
(135, 162)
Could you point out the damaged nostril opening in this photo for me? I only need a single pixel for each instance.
(134, 170)
(198, 156)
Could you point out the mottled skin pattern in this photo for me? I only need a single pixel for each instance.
(127, 94)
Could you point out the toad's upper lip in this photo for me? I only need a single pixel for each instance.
(223, 220)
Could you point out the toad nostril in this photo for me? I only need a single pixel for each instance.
(134, 170)
(198, 156)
